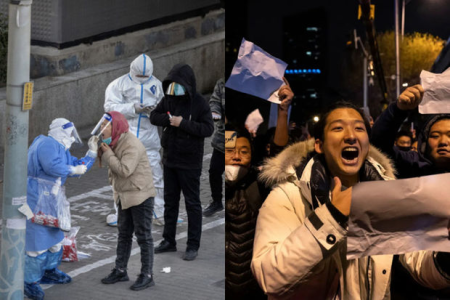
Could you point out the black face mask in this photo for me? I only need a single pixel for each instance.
(178, 98)
(404, 148)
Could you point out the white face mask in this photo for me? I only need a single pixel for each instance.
(67, 142)
(140, 80)
(234, 173)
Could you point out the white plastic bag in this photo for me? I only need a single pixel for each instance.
(52, 208)
(70, 245)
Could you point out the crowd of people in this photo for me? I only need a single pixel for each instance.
(146, 187)
(287, 214)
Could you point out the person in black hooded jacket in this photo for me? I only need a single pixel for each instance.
(186, 120)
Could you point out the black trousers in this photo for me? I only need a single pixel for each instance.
(216, 169)
(187, 181)
(137, 219)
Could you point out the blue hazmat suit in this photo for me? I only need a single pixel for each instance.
(49, 164)
(49, 160)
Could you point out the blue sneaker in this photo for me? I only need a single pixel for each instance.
(55, 276)
(33, 291)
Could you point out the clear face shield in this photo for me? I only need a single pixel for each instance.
(98, 130)
(73, 134)
(175, 89)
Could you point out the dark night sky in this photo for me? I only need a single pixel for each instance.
(261, 21)
(431, 16)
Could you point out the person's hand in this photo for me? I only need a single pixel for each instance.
(286, 95)
(342, 200)
(216, 116)
(175, 121)
(138, 108)
(410, 98)
(78, 170)
(105, 147)
(93, 143)
(252, 132)
(413, 133)
(148, 109)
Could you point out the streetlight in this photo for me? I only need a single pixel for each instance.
(397, 52)
(397, 44)
(366, 58)
(316, 119)
(403, 16)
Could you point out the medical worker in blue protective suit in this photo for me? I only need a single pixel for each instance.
(49, 164)
(135, 95)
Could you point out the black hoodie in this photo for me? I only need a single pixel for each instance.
(183, 145)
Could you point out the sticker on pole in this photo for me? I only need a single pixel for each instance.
(19, 200)
(27, 96)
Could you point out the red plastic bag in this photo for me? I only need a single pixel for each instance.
(70, 245)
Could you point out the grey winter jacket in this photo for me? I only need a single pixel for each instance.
(217, 105)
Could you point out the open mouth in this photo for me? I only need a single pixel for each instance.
(350, 155)
(443, 151)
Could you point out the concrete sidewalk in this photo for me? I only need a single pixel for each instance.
(91, 201)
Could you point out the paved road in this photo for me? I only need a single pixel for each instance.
(91, 201)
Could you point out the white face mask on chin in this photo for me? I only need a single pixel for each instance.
(235, 173)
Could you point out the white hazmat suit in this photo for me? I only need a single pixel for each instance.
(134, 95)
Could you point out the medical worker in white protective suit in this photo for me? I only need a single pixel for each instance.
(135, 95)
(49, 165)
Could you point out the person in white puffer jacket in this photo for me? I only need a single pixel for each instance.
(300, 244)
(135, 95)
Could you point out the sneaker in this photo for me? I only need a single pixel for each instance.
(111, 220)
(55, 276)
(212, 208)
(158, 221)
(33, 291)
(190, 254)
(143, 281)
(165, 246)
(115, 276)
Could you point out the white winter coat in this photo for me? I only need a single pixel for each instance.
(294, 259)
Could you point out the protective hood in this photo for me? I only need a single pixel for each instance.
(143, 66)
(119, 125)
(422, 139)
(64, 132)
(184, 75)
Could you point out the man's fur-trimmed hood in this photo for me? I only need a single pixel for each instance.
(283, 166)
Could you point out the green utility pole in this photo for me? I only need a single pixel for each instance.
(16, 147)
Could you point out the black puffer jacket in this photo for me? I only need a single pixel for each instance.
(242, 203)
(183, 145)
